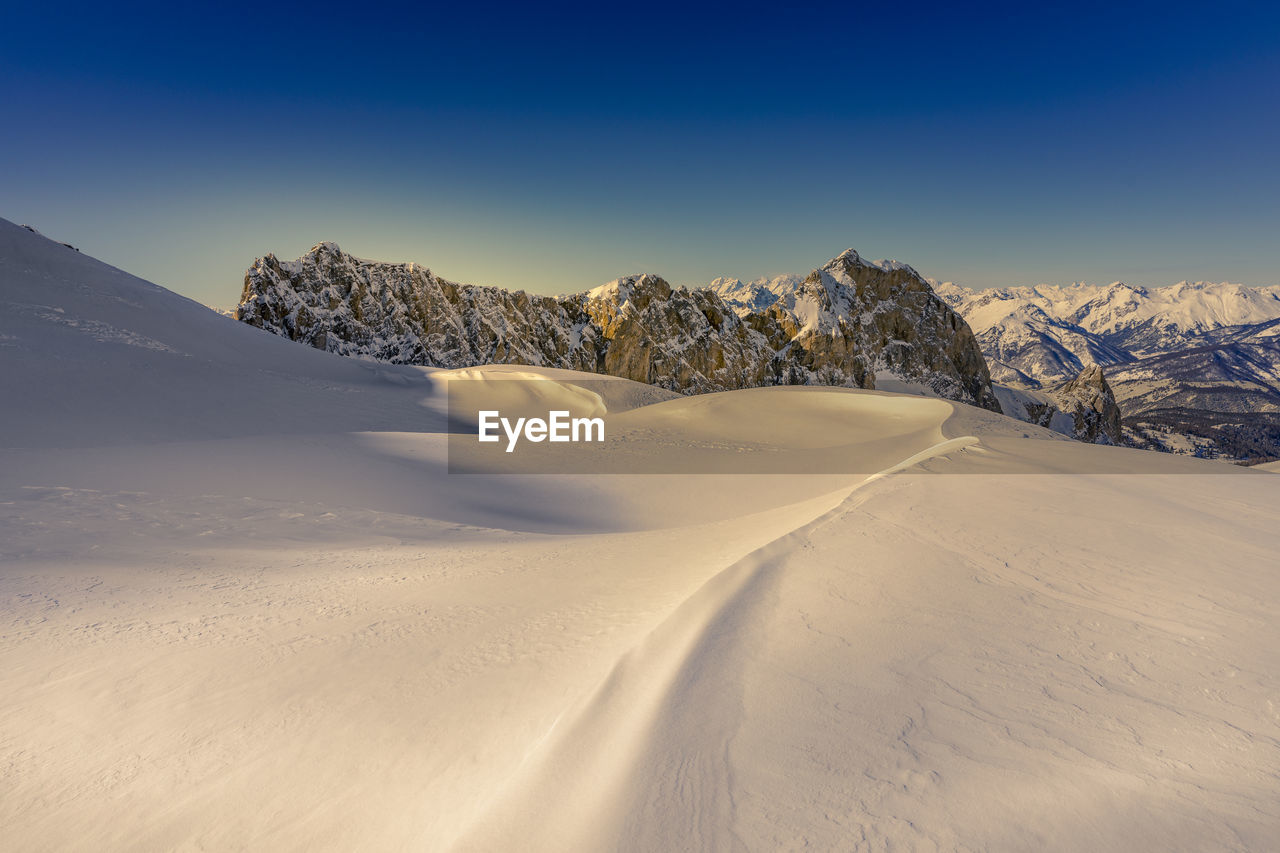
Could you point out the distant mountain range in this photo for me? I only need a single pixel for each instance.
(1047, 332)
(1195, 366)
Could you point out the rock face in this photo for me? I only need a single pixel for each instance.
(400, 313)
(879, 316)
(641, 328)
(1083, 407)
(1089, 401)
(840, 325)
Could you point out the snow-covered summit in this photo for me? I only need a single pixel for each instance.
(851, 257)
(621, 290)
(756, 295)
(759, 293)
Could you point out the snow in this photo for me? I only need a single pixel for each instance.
(756, 295)
(620, 289)
(1016, 403)
(888, 380)
(1177, 358)
(759, 293)
(1117, 316)
(246, 607)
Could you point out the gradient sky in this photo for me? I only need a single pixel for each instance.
(553, 147)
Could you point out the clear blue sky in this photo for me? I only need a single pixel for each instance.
(553, 147)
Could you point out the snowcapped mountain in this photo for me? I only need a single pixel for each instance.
(759, 293)
(1029, 339)
(1219, 399)
(1060, 408)
(756, 295)
(1194, 366)
(840, 325)
(1163, 319)
(1050, 332)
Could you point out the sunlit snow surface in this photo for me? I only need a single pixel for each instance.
(244, 606)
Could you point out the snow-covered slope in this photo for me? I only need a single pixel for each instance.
(840, 325)
(272, 620)
(121, 360)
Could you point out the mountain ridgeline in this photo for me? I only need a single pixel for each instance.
(1195, 366)
(843, 324)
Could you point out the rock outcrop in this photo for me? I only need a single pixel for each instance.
(840, 325)
(1083, 407)
(1089, 401)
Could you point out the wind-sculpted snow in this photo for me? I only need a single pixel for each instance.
(837, 326)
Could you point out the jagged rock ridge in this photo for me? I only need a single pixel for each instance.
(839, 325)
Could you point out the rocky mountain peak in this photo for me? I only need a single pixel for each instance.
(1083, 407)
(1092, 376)
(849, 260)
(638, 290)
(840, 325)
(1090, 401)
